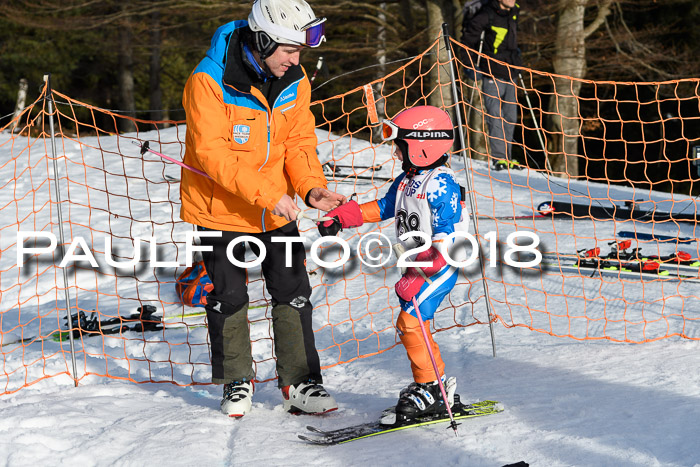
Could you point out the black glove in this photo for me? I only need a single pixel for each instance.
(347, 215)
(331, 229)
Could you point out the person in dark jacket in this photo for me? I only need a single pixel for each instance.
(496, 24)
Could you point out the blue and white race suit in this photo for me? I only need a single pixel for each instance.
(429, 202)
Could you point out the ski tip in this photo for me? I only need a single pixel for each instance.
(316, 442)
(493, 405)
(313, 429)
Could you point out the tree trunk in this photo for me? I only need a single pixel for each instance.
(570, 60)
(440, 92)
(21, 98)
(126, 76)
(155, 92)
(456, 16)
(407, 17)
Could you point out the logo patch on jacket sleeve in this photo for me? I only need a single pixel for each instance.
(241, 133)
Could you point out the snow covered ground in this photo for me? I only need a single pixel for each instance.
(568, 402)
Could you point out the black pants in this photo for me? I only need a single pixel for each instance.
(227, 309)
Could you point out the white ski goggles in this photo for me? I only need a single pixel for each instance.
(390, 131)
(311, 35)
(315, 32)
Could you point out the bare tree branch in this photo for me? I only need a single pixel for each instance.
(603, 12)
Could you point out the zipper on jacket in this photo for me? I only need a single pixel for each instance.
(267, 157)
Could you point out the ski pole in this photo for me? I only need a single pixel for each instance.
(468, 176)
(537, 126)
(319, 64)
(476, 81)
(398, 249)
(453, 424)
(144, 148)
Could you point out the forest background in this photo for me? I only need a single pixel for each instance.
(134, 56)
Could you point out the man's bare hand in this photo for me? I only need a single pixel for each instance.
(325, 200)
(286, 208)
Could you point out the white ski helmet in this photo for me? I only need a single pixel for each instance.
(275, 22)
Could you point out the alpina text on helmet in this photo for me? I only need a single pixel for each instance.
(429, 134)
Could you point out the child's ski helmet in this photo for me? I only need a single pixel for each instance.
(426, 131)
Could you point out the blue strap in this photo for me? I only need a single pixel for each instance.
(258, 69)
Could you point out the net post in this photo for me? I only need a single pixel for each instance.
(50, 103)
(467, 175)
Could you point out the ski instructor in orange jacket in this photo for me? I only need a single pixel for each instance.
(249, 127)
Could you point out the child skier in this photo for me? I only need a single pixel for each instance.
(426, 198)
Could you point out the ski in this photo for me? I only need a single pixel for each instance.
(142, 321)
(534, 215)
(85, 326)
(199, 312)
(645, 264)
(679, 260)
(652, 236)
(62, 336)
(351, 178)
(622, 257)
(192, 314)
(503, 164)
(92, 323)
(334, 170)
(586, 270)
(624, 265)
(365, 430)
(121, 329)
(331, 168)
(600, 212)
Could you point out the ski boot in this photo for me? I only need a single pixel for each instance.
(307, 397)
(238, 398)
(420, 399)
(503, 164)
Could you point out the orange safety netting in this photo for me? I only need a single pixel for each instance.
(628, 150)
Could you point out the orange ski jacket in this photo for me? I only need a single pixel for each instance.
(254, 148)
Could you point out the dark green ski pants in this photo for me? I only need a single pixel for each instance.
(227, 310)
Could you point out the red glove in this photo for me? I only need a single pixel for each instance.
(409, 285)
(431, 255)
(347, 215)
